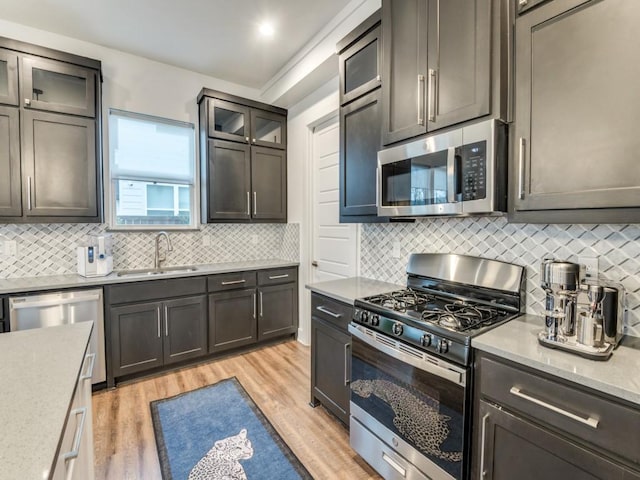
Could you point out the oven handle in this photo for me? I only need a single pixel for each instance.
(449, 372)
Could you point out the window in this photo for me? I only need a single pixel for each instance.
(152, 172)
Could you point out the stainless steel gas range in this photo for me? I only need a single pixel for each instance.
(411, 363)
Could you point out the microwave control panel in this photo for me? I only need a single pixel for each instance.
(474, 171)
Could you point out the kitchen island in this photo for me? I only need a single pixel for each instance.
(37, 384)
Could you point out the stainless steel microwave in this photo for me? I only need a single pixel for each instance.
(460, 172)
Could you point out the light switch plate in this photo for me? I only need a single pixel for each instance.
(254, 239)
(591, 267)
(206, 241)
(10, 248)
(395, 251)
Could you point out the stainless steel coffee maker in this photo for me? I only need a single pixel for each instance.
(582, 316)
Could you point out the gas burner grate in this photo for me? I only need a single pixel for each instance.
(461, 316)
(401, 300)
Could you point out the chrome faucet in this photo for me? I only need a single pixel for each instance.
(157, 260)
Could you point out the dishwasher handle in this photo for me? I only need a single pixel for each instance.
(24, 302)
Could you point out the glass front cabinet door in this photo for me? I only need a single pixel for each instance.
(8, 78)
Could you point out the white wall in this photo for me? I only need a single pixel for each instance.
(303, 116)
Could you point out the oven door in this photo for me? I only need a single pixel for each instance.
(421, 177)
(407, 409)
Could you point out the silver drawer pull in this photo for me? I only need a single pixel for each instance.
(329, 312)
(394, 464)
(592, 422)
(89, 373)
(275, 277)
(78, 438)
(235, 282)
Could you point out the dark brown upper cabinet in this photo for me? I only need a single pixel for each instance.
(51, 149)
(8, 77)
(575, 142)
(360, 60)
(243, 159)
(438, 58)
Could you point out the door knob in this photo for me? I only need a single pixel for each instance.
(314, 264)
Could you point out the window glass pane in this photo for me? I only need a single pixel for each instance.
(152, 167)
(228, 121)
(54, 87)
(268, 130)
(4, 78)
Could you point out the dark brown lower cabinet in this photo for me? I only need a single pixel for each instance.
(278, 310)
(232, 319)
(185, 324)
(513, 448)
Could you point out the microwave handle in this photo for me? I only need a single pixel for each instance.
(378, 182)
(451, 175)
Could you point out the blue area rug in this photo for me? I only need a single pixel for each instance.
(217, 432)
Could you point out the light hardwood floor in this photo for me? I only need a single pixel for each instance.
(276, 377)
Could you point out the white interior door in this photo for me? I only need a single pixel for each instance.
(334, 245)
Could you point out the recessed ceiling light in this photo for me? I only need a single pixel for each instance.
(266, 29)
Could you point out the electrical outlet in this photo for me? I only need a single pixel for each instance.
(206, 241)
(395, 251)
(10, 248)
(254, 239)
(591, 267)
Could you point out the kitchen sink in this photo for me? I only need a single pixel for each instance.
(157, 271)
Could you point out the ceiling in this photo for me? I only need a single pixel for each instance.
(218, 38)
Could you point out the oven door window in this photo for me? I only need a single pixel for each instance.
(416, 181)
(427, 411)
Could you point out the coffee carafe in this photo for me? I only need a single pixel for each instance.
(561, 282)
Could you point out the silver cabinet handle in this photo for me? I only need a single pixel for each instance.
(254, 140)
(347, 380)
(275, 277)
(483, 433)
(166, 321)
(261, 312)
(420, 99)
(247, 139)
(29, 192)
(255, 203)
(432, 95)
(590, 421)
(328, 312)
(27, 102)
(158, 314)
(394, 464)
(78, 437)
(234, 282)
(89, 373)
(248, 204)
(522, 145)
(254, 305)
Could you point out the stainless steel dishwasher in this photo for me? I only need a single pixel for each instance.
(59, 308)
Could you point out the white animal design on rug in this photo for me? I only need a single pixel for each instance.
(222, 461)
(415, 419)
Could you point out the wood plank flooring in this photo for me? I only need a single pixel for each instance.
(277, 378)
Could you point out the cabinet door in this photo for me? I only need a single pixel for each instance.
(360, 67)
(228, 121)
(330, 367)
(59, 165)
(10, 192)
(404, 44)
(278, 311)
(185, 328)
(269, 182)
(58, 87)
(232, 319)
(8, 77)
(576, 107)
(229, 183)
(459, 61)
(510, 447)
(359, 145)
(268, 129)
(136, 338)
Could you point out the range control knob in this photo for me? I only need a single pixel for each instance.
(397, 329)
(375, 320)
(443, 346)
(426, 339)
(365, 317)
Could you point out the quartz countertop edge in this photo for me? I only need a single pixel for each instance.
(37, 384)
(54, 282)
(348, 289)
(517, 341)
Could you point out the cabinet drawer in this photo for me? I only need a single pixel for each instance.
(589, 417)
(231, 281)
(277, 276)
(332, 311)
(156, 289)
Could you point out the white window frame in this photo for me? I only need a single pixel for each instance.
(110, 186)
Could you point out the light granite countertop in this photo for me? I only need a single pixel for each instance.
(517, 341)
(40, 368)
(348, 289)
(54, 282)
